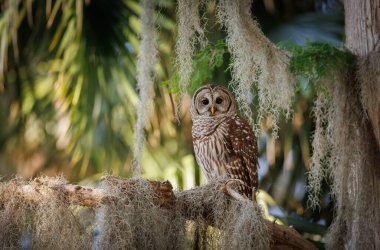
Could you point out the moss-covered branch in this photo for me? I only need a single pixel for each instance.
(192, 204)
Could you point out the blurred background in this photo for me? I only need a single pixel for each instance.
(68, 96)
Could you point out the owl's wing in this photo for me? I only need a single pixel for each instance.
(243, 163)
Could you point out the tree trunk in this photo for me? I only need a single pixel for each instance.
(362, 27)
(362, 21)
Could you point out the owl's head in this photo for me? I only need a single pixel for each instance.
(212, 101)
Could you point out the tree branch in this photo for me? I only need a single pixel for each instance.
(282, 237)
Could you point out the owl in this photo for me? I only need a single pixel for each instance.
(224, 143)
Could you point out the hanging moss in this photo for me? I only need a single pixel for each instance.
(47, 222)
(146, 62)
(36, 214)
(238, 224)
(254, 61)
(190, 33)
(204, 63)
(321, 150)
(323, 67)
(343, 142)
(134, 221)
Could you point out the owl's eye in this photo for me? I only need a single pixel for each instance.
(219, 100)
(205, 101)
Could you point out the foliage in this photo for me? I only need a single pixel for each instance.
(315, 60)
(205, 62)
(71, 76)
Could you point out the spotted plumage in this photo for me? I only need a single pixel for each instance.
(224, 143)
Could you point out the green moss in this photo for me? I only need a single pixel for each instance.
(316, 60)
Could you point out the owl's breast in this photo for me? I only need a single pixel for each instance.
(210, 151)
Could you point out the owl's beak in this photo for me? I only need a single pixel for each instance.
(212, 109)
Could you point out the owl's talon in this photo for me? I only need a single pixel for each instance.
(230, 191)
(231, 181)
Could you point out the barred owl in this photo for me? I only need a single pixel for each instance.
(224, 143)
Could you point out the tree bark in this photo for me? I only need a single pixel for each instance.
(362, 27)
